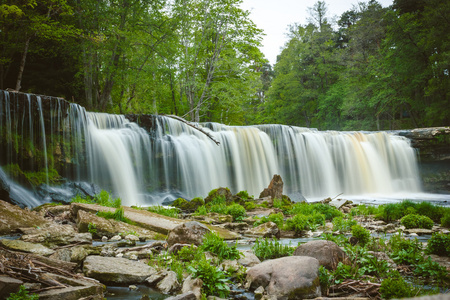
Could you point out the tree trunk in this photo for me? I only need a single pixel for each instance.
(22, 64)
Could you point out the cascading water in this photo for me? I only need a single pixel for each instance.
(43, 138)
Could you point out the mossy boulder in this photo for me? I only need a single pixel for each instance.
(12, 217)
(186, 205)
(220, 193)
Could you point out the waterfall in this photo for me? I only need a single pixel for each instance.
(46, 140)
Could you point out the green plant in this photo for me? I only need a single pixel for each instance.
(416, 221)
(214, 280)
(362, 234)
(189, 253)
(201, 211)
(22, 294)
(431, 269)
(439, 244)
(276, 218)
(396, 287)
(249, 205)
(215, 244)
(237, 212)
(343, 272)
(343, 225)
(118, 215)
(103, 198)
(244, 195)
(269, 249)
(445, 220)
(405, 251)
(92, 228)
(325, 278)
(364, 210)
(161, 210)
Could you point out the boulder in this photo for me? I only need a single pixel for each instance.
(109, 228)
(268, 229)
(76, 289)
(17, 245)
(187, 233)
(275, 189)
(192, 285)
(13, 217)
(220, 192)
(249, 259)
(327, 253)
(293, 277)
(115, 270)
(54, 234)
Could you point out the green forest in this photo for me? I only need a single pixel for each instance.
(372, 68)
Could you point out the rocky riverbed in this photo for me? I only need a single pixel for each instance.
(69, 252)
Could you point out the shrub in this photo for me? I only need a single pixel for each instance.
(214, 280)
(405, 251)
(431, 269)
(439, 244)
(237, 212)
(118, 215)
(244, 195)
(22, 294)
(330, 212)
(343, 225)
(445, 220)
(362, 234)
(297, 223)
(396, 287)
(269, 249)
(201, 211)
(215, 244)
(416, 221)
(249, 205)
(276, 218)
(103, 198)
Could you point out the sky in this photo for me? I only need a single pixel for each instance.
(274, 16)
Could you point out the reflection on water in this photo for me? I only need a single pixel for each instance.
(124, 293)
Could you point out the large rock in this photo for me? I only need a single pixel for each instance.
(275, 189)
(248, 259)
(268, 229)
(17, 245)
(115, 270)
(192, 285)
(169, 284)
(220, 192)
(13, 217)
(184, 296)
(9, 285)
(53, 234)
(327, 253)
(109, 228)
(76, 289)
(293, 277)
(187, 233)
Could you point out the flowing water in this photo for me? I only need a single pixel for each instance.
(44, 136)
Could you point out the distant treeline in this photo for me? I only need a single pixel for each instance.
(371, 68)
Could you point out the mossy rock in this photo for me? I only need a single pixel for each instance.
(186, 205)
(220, 192)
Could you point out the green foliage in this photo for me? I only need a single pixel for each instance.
(416, 221)
(22, 294)
(364, 210)
(215, 244)
(439, 244)
(432, 270)
(396, 287)
(118, 215)
(237, 212)
(302, 222)
(343, 225)
(275, 218)
(161, 210)
(325, 278)
(344, 272)
(214, 280)
(92, 228)
(201, 211)
(445, 220)
(249, 205)
(189, 253)
(103, 199)
(244, 195)
(404, 250)
(270, 249)
(395, 211)
(362, 234)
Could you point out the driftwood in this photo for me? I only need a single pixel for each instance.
(195, 127)
(357, 287)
